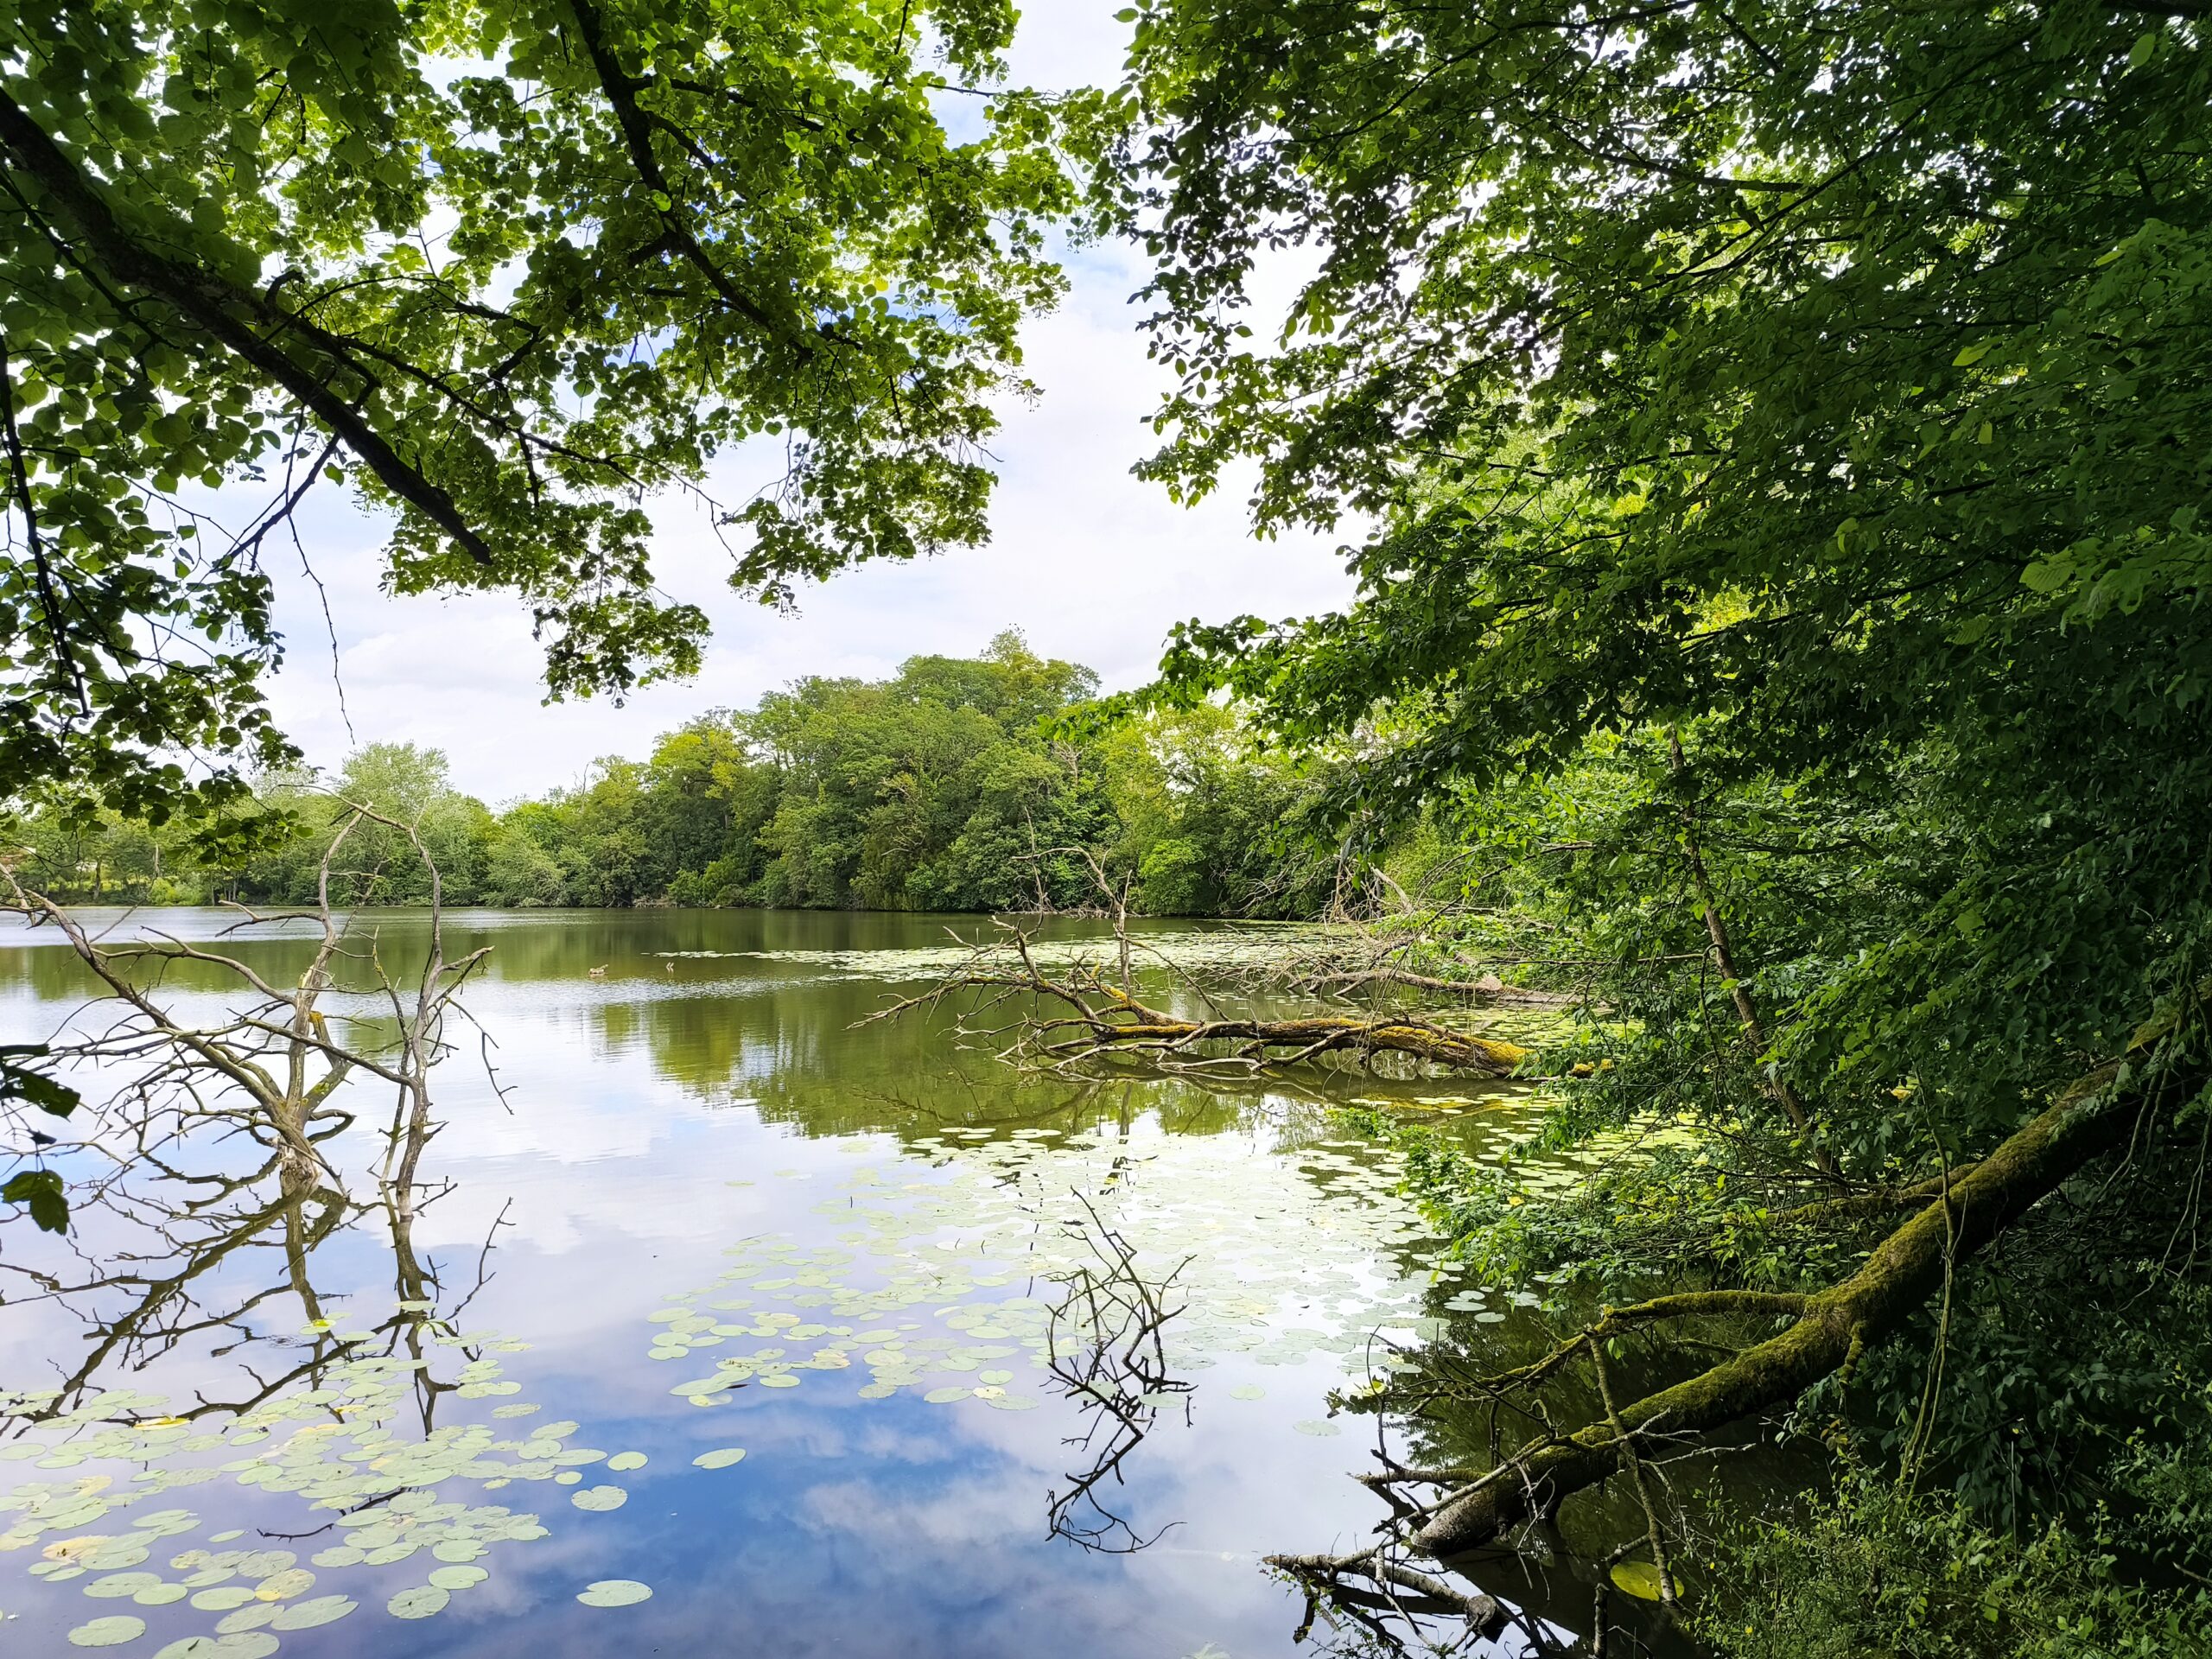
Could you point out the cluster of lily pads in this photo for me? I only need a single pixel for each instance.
(1198, 950)
(944, 1280)
(338, 1442)
(944, 1273)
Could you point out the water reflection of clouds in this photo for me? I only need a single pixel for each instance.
(854, 1527)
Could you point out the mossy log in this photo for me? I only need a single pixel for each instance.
(1091, 1018)
(1312, 1037)
(2090, 1118)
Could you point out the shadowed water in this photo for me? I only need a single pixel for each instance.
(704, 1213)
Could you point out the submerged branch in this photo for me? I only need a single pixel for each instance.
(1084, 1019)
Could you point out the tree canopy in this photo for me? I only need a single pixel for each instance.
(1787, 427)
(508, 269)
(948, 786)
(1828, 385)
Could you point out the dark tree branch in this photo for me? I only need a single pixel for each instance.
(206, 300)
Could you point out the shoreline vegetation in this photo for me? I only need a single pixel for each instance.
(1780, 636)
(959, 785)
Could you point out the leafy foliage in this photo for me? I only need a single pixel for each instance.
(1782, 424)
(1718, 391)
(510, 268)
(39, 1191)
(951, 785)
(22, 1082)
(1886, 1572)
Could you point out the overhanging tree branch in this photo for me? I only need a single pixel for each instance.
(215, 305)
(636, 125)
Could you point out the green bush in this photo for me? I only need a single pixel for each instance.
(1880, 1572)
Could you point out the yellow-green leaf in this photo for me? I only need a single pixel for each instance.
(1638, 1578)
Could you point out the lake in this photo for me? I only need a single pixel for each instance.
(783, 1332)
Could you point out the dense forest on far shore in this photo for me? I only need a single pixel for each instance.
(955, 785)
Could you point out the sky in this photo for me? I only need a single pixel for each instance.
(1090, 563)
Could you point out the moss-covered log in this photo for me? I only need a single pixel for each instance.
(1086, 1018)
(1315, 1035)
(2090, 1118)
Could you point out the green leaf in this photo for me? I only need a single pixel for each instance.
(40, 1189)
(19, 1082)
(614, 1592)
(1638, 1578)
(109, 1632)
(422, 1601)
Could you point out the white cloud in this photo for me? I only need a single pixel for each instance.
(1091, 563)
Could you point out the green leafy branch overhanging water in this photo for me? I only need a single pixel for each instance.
(1787, 597)
(506, 270)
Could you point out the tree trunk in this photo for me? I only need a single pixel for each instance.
(2093, 1117)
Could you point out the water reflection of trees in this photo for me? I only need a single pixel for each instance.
(1108, 1354)
(179, 1260)
(1552, 1586)
(196, 1263)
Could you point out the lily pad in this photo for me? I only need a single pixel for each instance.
(163, 1523)
(109, 1632)
(318, 1610)
(622, 1460)
(421, 1602)
(458, 1578)
(283, 1587)
(115, 1586)
(1638, 1578)
(1248, 1391)
(614, 1592)
(597, 1498)
(1318, 1426)
(241, 1644)
(720, 1458)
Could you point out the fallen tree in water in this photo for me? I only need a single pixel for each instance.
(252, 1067)
(1083, 1017)
(1447, 1513)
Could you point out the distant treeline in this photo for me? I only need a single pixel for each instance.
(949, 786)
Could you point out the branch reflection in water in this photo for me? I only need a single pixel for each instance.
(203, 1051)
(1106, 1350)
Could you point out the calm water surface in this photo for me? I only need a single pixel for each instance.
(708, 1216)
